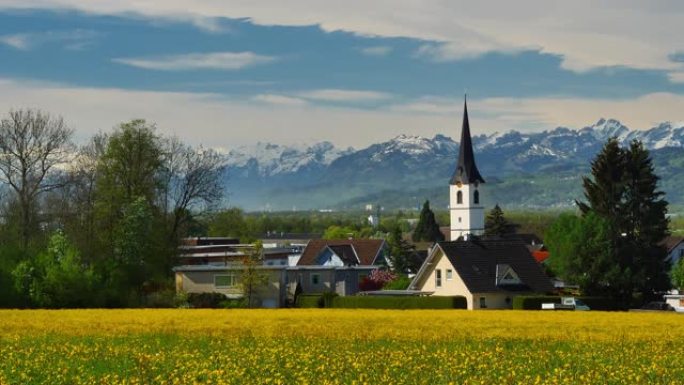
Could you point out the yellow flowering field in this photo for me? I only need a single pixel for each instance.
(336, 346)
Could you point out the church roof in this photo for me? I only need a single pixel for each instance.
(476, 262)
(466, 170)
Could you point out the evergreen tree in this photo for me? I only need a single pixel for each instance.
(403, 256)
(645, 223)
(427, 228)
(496, 224)
(623, 191)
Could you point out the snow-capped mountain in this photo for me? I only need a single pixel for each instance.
(323, 175)
(267, 159)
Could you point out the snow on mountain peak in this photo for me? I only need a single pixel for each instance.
(271, 159)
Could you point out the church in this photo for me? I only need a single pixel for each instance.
(488, 271)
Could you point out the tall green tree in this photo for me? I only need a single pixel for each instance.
(427, 229)
(623, 191)
(402, 255)
(496, 224)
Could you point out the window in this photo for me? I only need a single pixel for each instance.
(483, 303)
(476, 197)
(438, 278)
(449, 274)
(315, 279)
(459, 197)
(459, 219)
(225, 280)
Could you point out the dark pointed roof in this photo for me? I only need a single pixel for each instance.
(466, 171)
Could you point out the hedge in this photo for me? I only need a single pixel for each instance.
(400, 302)
(534, 302)
(309, 300)
(206, 300)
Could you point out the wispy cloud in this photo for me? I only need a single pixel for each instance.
(340, 95)
(279, 100)
(378, 50)
(228, 61)
(73, 40)
(676, 77)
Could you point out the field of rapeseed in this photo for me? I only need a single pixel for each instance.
(329, 346)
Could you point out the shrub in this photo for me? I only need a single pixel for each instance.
(533, 302)
(233, 303)
(309, 300)
(400, 283)
(600, 303)
(400, 302)
(205, 300)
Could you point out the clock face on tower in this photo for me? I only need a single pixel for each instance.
(459, 184)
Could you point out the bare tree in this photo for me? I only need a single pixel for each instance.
(32, 145)
(193, 180)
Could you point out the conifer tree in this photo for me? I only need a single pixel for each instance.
(496, 224)
(623, 191)
(427, 228)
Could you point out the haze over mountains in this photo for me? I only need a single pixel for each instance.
(532, 170)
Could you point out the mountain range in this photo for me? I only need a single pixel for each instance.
(522, 170)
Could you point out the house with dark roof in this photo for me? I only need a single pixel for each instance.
(344, 252)
(488, 272)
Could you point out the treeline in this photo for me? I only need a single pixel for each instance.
(96, 225)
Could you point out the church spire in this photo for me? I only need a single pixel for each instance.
(466, 170)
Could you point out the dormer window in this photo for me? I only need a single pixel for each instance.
(459, 197)
(476, 197)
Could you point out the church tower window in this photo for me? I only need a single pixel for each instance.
(459, 197)
(476, 197)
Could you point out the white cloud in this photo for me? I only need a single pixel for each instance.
(378, 50)
(74, 40)
(339, 95)
(218, 121)
(194, 61)
(676, 77)
(279, 99)
(586, 34)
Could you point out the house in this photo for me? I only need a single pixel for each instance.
(325, 266)
(282, 281)
(344, 252)
(675, 248)
(488, 272)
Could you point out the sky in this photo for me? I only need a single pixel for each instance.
(227, 73)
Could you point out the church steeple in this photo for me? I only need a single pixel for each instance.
(465, 206)
(466, 170)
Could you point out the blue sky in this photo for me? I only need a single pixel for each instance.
(232, 73)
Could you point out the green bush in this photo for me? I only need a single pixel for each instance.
(533, 302)
(400, 283)
(400, 302)
(600, 303)
(309, 300)
(205, 300)
(233, 303)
